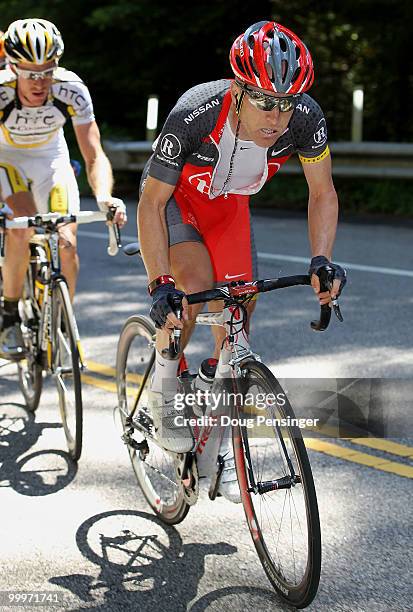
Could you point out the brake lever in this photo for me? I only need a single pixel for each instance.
(326, 276)
(175, 337)
(2, 234)
(337, 311)
(114, 233)
(334, 302)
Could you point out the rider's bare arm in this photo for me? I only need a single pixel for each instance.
(98, 168)
(322, 215)
(153, 233)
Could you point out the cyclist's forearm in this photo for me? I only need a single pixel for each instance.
(322, 222)
(100, 176)
(153, 238)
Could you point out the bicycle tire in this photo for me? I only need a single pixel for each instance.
(298, 591)
(29, 369)
(66, 368)
(162, 488)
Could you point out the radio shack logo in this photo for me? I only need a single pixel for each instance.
(170, 146)
(320, 136)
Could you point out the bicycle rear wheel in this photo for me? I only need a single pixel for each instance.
(66, 368)
(277, 488)
(156, 470)
(29, 369)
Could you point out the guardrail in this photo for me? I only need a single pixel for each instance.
(356, 159)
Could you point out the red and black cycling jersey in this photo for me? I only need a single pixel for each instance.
(188, 148)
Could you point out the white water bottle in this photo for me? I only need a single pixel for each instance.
(203, 383)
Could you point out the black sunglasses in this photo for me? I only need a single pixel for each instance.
(265, 102)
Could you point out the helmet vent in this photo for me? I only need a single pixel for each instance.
(296, 75)
(251, 42)
(270, 72)
(283, 45)
(254, 68)
(38, 49)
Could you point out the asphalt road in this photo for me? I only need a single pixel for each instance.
(87, 536)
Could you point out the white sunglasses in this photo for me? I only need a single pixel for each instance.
(33, 75)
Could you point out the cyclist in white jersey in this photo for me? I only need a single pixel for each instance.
(3, 60)
(36, 99)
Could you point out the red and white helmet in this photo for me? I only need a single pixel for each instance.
(269, 56)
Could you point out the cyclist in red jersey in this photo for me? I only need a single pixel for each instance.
(221, 142)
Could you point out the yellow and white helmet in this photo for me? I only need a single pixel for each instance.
(34, 41)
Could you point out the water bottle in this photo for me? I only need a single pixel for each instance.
(203, 382)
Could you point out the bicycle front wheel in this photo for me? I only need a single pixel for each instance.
(66, 368)
(277, 487)
(156, 470)
(30, 371)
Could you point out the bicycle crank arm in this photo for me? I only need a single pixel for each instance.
(215, 480)
(286, 482)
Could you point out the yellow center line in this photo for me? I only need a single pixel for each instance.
(348, 454)
(385, 445)
(107, 385)
(100, 368)
(105, 370)
(97, 382)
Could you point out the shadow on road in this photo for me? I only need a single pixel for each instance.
(239, 598)
(35, 474)
(143, 564)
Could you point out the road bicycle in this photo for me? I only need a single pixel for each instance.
(272, 465)
(50, 333)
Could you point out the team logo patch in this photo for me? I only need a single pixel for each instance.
(170, 146)
(320, 135)
(202, 181)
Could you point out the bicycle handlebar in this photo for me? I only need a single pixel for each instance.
(232, 292)
(239, 289)
(52, 220)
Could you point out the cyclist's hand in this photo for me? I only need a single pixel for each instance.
(339, 281)
(166, 299)
(6, 211)
(105, 203)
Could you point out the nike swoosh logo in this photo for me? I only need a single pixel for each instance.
(229, 277)
(243, 148)
(274, 153)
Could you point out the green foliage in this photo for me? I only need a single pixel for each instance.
(352, 43)
(356, 195)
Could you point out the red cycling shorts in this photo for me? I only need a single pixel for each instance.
(222, 224)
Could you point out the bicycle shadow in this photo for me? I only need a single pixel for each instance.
(38, 473)
(143, 563)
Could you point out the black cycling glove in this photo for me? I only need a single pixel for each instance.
(165, 299)
(321, 262)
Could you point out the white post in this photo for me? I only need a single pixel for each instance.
(357, 118)
(152, 118)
